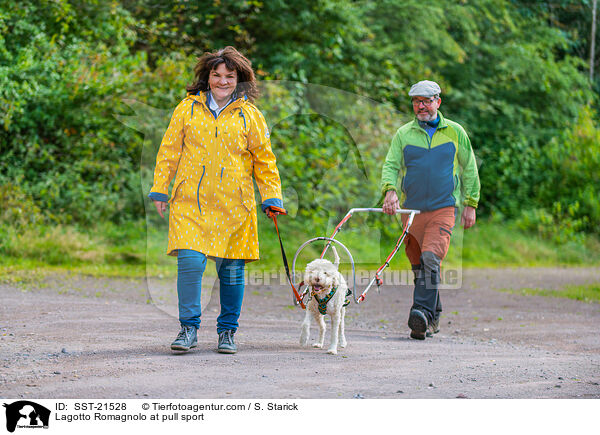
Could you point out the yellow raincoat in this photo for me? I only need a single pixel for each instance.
(212, 206)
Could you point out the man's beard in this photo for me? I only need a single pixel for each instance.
(426, 116)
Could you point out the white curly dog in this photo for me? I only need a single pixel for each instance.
(327, 297)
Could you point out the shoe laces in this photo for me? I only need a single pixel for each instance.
(227, 337)
(185, 332)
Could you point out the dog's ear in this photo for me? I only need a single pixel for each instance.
(336, 279)
(336, 257)
(309, 267)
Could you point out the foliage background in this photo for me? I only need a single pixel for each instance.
(75, 75)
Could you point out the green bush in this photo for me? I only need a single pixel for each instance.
(554, 225)
(570, 187)
(66, 65)
(18, 208)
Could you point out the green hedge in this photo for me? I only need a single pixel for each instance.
(74, 74)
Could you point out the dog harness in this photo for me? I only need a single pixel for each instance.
(323, 302)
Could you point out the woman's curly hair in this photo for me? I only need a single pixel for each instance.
(233, 60)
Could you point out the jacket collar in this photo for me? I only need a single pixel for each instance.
(203, 98)
(442, 124)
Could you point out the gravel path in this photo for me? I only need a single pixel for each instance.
(80, 337)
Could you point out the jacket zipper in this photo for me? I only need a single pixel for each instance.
(216, 135)
(429, 140)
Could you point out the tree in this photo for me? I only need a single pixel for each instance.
(65, 67)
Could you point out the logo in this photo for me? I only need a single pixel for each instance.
(26, 414)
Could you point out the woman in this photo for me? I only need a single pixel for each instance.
(216, 141)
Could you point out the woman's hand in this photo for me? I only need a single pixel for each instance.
(161, 206)
(274, 211)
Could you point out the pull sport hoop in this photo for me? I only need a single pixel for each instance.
(376, 278)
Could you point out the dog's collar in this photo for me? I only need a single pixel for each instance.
(323, 302)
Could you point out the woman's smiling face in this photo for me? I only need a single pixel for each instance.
(222, 83)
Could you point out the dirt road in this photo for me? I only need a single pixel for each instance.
(78, 337)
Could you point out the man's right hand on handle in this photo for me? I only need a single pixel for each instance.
(391, 203)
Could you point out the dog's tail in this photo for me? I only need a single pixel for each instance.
(336, 257)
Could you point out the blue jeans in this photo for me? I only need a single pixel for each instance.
(190, 268)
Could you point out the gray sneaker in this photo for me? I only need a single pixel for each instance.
(417, 322)
(186, 339)
(433, 328)
(226, 344)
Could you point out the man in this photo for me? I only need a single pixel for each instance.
(439, 176)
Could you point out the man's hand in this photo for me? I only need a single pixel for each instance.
(161, 206)
(468, 217)
(391, 202)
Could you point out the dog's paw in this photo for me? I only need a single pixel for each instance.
(318, 345)
(332, 351)
(304, 339)
(343, 343)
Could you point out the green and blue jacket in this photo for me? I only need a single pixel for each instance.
(436, 172)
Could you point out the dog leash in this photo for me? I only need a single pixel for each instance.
(283, 256)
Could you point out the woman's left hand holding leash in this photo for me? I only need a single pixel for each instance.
(161, 207)
(274, 211)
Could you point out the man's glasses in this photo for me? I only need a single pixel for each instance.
(426, 103)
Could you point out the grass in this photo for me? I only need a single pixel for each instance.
(108, 250)
(129, 251)
(586, 293)
(493, 244)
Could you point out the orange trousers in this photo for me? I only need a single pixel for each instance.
(430, 231)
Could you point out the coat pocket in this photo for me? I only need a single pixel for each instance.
(175, 191)
(247, 196)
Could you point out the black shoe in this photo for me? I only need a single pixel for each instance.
(186, 339)
(434, 327)
(417, 322)
(226, 344)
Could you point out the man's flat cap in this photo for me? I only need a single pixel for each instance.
(425, 88)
